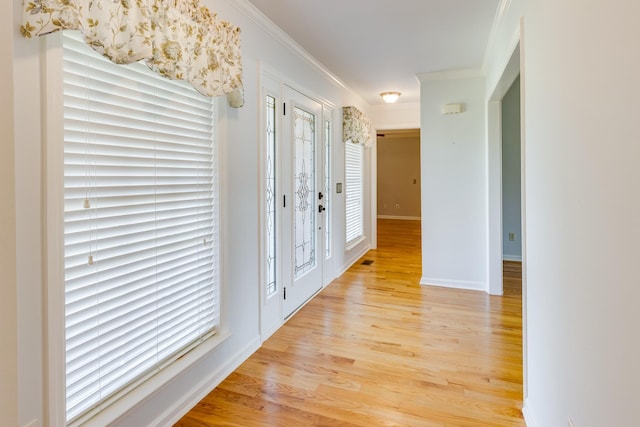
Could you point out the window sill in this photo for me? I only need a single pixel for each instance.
(355, 242)
(133, 398)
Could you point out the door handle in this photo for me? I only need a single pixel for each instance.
(321, 208)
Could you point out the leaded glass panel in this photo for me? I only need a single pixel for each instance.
(327, 189)
(270, 196)
(304, 179)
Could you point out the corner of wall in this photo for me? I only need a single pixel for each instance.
(454, 284)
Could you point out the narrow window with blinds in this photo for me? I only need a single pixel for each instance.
(353, 193)
(140, 225)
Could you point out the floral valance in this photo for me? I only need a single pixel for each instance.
(355, 126)
(180, 39)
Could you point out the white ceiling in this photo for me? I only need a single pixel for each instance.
(380, 45)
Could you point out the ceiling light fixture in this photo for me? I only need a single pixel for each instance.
(390, 97)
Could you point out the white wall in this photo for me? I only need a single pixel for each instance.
(454, 238)
(396, 116)
(583, 205)
(8, 289)
(239, 163)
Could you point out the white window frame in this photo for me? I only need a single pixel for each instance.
(354, 189)
(54, 259)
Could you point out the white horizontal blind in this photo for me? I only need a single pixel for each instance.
(353, 191)
(140, 227)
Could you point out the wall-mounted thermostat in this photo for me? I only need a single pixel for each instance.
(452, 108)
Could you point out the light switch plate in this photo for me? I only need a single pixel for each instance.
(339, 187)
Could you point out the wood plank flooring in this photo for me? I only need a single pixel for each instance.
(377, 349)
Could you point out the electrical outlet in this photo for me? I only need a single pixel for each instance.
(397, 205)
(512, 237)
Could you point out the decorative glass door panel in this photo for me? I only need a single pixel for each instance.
(302, 184)
(305, 201)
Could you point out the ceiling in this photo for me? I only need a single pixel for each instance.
(381, 45)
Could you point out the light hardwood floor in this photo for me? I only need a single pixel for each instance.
(377, 349)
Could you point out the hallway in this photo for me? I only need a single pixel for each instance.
(374, 348)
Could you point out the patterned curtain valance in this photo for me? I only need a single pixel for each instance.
(180, 39)
(355, 126)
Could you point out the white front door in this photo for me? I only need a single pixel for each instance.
(302, 187)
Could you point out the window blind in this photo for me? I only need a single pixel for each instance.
(140, 224)
(353, 192)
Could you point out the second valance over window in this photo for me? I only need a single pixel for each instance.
(356, 127)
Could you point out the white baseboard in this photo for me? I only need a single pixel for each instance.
(456, 284)
(512, 258)
(408, 218)
(529, 418)
(173, 414)
(353, 260)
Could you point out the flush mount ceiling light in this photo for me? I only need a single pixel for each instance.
(390, 97)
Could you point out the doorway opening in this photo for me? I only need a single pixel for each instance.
(398, 174)
(511, 191)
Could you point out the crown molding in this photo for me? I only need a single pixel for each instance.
(469, 73)
(501, 11)
(262, 21)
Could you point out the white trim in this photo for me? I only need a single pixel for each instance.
(455, 284)
(328, 161)
(266, 333)
(373, 190)
(468, 73)
(263, 22)
(510, 66)
(173, 414)
(122, 407)
(408, 218)
(523, 212)
(501, 11)
(266, 70)
(353, 259)
(529, 417)
(510, 72)
(53, 230)
(506, 257)
(355, 242)
(494, 197)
